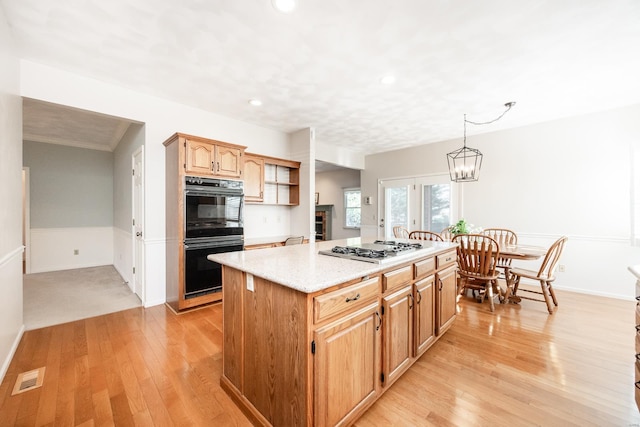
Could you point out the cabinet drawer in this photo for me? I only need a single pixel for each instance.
(424, 268)
(445, 259)
(351, 297)
(396, 278)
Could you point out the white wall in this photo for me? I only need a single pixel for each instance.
(330, 185)
(11, 249)
(339, 156)
(566, 177)
(162, 118)
(303, 148)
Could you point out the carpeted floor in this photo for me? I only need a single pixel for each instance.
(63, 296)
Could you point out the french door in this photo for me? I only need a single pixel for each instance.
(420, 203)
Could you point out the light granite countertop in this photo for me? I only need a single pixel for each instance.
(300, 267)
(265, 240)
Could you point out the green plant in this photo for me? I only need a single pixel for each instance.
(459, 227)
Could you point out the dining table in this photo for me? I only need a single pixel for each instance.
(518, 252)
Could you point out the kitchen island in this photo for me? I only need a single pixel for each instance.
(314, 340)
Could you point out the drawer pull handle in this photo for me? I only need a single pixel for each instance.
(637, 328)
(448, 259)
(638, 298)
(637, 384)
(380, 319)
(356, 298)
(638, 357)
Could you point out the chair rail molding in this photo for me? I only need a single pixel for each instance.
(5, 259)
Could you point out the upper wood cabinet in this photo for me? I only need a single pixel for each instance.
(253, 178)
(208, 157)
(278, 183)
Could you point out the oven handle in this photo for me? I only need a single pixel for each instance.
(207, 245)
(217, 192)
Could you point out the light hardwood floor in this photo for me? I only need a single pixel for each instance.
(516, 366)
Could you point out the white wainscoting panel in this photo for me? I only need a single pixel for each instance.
(123, 255)
(593, 265)
(11, 321)
(155, 273)
(52, 249)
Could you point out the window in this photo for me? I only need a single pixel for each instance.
(352, 210)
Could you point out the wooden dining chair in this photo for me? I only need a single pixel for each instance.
(477, 261)
(544, 275)
(504, 237)
(425, 235)
(400, 232)
(446, 234)
(296, 240)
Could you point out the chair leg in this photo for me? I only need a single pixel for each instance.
(501, 294)
(547, 296)
(489, 287)
(516, 283)
(553, 294)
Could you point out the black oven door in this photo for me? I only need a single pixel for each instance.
(202, 276)
(213, 215)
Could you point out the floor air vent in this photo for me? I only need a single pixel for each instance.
(28, 381)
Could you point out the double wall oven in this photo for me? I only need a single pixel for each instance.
(212, 224)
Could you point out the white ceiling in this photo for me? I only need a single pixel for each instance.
(320, 66)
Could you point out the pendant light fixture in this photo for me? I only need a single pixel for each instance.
(464, 163)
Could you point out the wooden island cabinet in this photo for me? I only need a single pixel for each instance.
(313, 340)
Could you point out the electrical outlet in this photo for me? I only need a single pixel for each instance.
(76, 251)
(561, 268)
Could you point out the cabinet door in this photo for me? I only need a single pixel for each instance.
(228, 161)
(347, 367)
(200, 157)
(424, 315)
(446, 302)
(253, 179)
(397, 335)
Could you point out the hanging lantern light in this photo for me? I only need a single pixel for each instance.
(464, 163)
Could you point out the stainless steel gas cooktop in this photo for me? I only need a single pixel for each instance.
(377, 252)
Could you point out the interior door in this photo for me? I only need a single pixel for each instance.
(137, 204)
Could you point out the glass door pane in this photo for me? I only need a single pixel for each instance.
(396, 207)
(436, 207)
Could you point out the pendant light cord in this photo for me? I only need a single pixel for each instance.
(508, 105)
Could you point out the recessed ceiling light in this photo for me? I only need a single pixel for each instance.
(388, 80)
(255, 102)
(284, 6)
